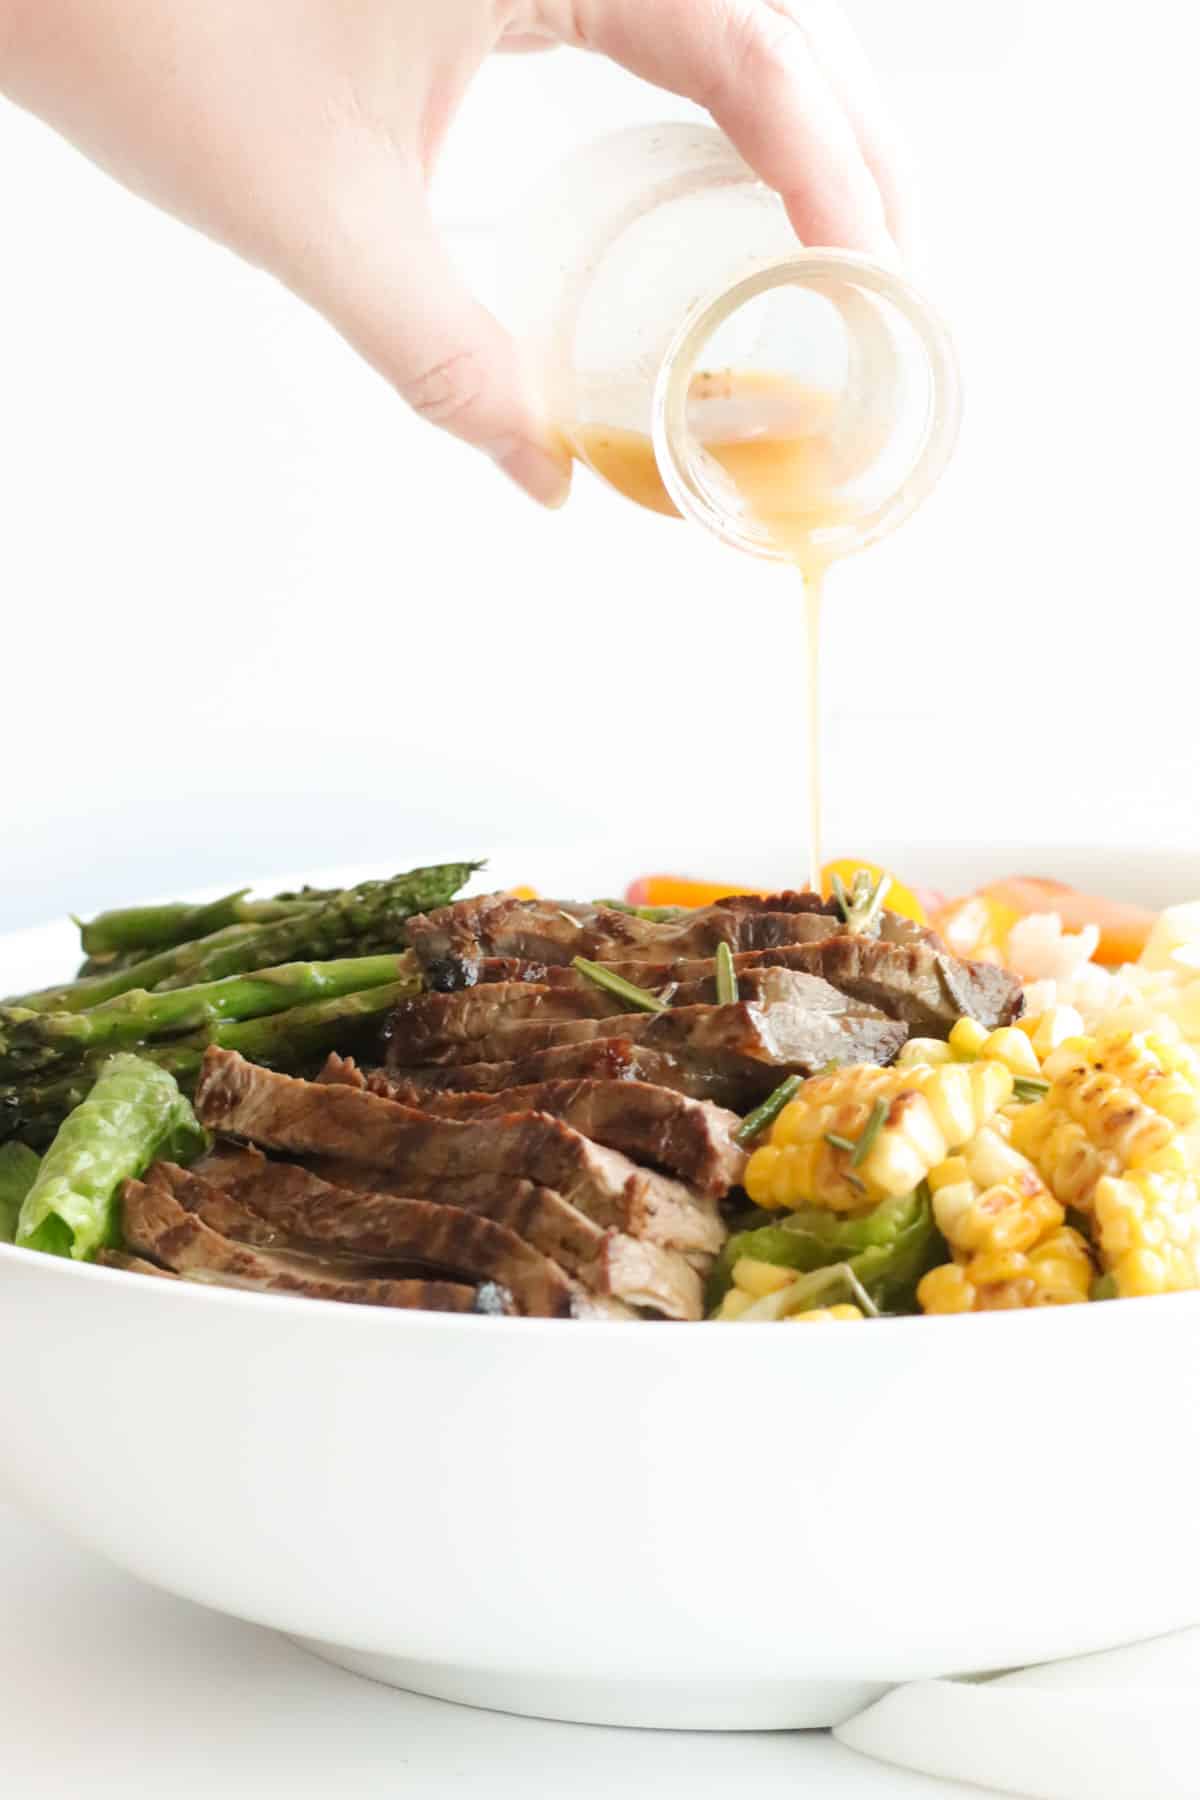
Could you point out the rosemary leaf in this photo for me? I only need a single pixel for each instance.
(840, 1143)
(640, 998)
(870, 1132)
(726, 977)
(769, 1111)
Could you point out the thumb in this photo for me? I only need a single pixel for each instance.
(384, 278)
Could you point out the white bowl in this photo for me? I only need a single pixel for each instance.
(623, 1524)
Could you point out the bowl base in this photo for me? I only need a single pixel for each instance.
(659, 1705)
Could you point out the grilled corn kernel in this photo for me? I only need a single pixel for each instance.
(1149, 1232)
(991, 1198)
(948, 1173)
(1166, 1076)
(1047, 1030)
(824, 1312)
(1056, 1272)
(818, 1154)
(759, 1278)
(968, 1038)
(931, 1051)
(1013, 1049)
(1115, 1104)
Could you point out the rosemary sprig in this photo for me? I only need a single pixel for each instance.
(870, 1132)
(639, 998)
(726, 976)
(769, 1111)
(862, 903)
(1027, 1088)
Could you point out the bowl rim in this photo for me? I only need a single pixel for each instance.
(393, 1319)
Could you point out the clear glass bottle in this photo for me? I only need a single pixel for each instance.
(798, 403)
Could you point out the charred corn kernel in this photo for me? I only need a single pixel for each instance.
(1047, 1030)
(824, 1312)
(967, 1038)
(1056, 1272)
(818, 1153)
(1062, 1152)
(758, 1278)
(1116, 1105)
(1166, 1076)
(1113, 1115)
(931, 1051)
(1149, 1232)
(1013, 1049)
(991, 1198)
(735, 1303)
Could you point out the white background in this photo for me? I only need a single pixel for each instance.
(255, 616)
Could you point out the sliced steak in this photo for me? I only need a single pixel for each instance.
(443, 1027)
(608, 1262)
(599, 1059)
(914, 979)
(918, 983)
(328, 1119)
(429, 1022)
(284, 1207)
(453, 942)
(751, 1047)
(688, 1138)
(156, 1226)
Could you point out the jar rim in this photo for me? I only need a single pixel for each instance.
(674, 447)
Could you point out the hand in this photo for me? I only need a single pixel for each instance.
(302, 133)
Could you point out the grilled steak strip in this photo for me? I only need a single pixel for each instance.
(156, 1226)
(287, 1208)
(754, 1047)
(451, 943)
(328, 1119)
(688, 1138)
(608, 1263)
(916, 981)
(599, 1059)
(422, 1029)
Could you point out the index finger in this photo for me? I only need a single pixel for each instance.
(752, 65)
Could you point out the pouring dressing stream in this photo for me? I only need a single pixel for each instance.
(768, 437)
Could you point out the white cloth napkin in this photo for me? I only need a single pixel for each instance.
(1120, 1725)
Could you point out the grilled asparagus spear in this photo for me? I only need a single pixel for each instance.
(293, 1042)
(148, 928)
(363, 920)
(34, 1040)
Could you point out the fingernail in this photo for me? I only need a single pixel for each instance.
(544, 474)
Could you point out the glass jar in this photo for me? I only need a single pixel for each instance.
(702, 361)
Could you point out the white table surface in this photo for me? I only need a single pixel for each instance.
(111, 1688)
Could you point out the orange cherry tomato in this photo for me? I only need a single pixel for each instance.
(523, 893)
(680, 890)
